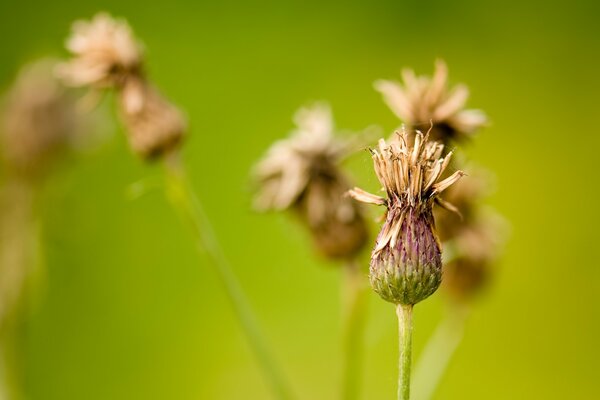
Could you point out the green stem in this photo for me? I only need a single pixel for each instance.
(355, 307)
(438, 353)
(405, 340)
(187, 204)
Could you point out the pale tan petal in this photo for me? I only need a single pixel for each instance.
(366, 197)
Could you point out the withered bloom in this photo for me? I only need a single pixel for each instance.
(421, 101)
(474, 240)
(39, 119)
(406, 264)
(302, 174)
(108, 56)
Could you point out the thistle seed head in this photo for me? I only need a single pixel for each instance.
(406, 265)
(39, 120)
(105, 53)
(475, 241)
(108, 56)
(421, 101)
(154, 125)
(302, 174)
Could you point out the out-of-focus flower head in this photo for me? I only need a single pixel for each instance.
(302, 173)
(406, 264)
(421, 101)
(39, 118)
(105, 53)
(474, 239)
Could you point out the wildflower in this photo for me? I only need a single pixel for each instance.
(107, 56)
(406, 264)
(39, 120)
(474, 241)
(302, 173)
(422, 101)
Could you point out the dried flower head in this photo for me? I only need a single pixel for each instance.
(39, 119)
(105, 53)
(302, 173)
(154, 125)
(421, 101)
(406, 265)
(474, 241)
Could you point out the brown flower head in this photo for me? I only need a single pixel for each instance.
(155, 126)
(302, 173)
(422, 101)
(39, 119)
(474, 241)
(406, 264)
(105, 53)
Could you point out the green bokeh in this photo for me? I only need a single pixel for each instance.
(131, 312)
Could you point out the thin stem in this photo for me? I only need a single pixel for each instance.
(20, 267)
(355, 307)
(438, 353)
(405, 340)
(187, 204)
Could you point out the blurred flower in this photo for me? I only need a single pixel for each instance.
(423, 102)
(302, 173)
(475, 241)
(156, 127)
(39, 120)
(406, 264)
(108, 56)
(105, 53)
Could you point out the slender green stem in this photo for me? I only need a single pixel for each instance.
(438, 353)
(187, 204)
(405, 340)
(355, 307)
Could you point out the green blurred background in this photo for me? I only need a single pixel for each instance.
(129, 311)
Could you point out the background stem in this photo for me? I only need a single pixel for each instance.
(405, 340)
(187, 204)
(355, 307)
(438, 353)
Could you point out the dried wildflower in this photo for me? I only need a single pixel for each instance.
(107, 56)
(422, 101)
(105, 53)
(302, 173)
(39, 119)
(406, 265)
(474, 241)
(155, 126)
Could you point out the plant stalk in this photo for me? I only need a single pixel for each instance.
(404, 313)
(187, 204)
(355, 307)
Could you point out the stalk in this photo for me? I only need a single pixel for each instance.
(355, 307)
(438, 353)
(404, 313)
(20, 267)
(186, 203)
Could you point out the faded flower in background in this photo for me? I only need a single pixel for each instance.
(473, 240)
(106, 55)
(421, 102)
(406, 264)
(303, 174)
(39, 119)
